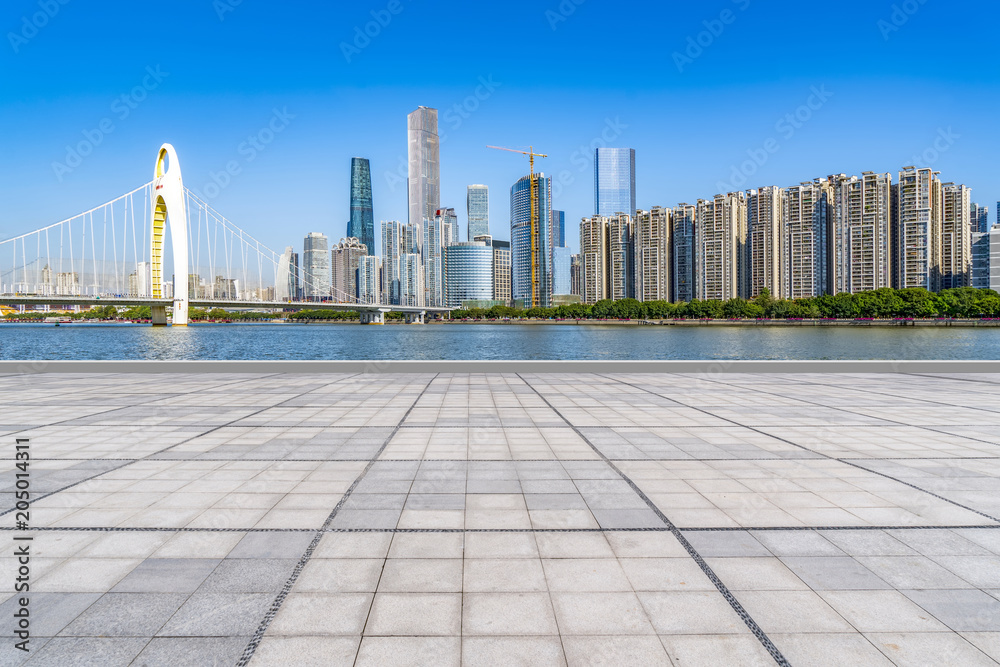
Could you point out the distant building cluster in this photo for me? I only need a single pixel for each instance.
(827, 236)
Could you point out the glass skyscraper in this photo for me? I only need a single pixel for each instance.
(558, 230)
(362, 224)
(614, 181)
(469, 273)
(562, 259)
(478, 201)
(520, 241)
(424, 180)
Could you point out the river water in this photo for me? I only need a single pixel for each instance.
(499, 342)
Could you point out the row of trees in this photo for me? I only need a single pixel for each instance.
(964, 302)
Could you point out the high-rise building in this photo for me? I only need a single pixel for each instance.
(720, 247)
(861, 243)
(558, 229)
(954, 254)
(576, 275)
(531, 258)
(345, 258)
(914, 227)
(995, 258)
(436, 233)
(562, 270)
(766, 243)
(980, 260)
(594, 259)
(501, 268)
(286, 282)
(411, 280)
(449, 227)
(393, 248)
(979, 218)
(621, 255)
(469, 273)
(362, 223)
(369, 279)
(478, 205)
(614, 181)
(806, 221)
(424, 178)
(316, 267)
(684, 257)
(653, 244)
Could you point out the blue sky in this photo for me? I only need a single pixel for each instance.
(889, 84)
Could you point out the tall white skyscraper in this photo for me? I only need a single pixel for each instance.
(954, 245)
(806, 220)
(653, 274)
(861, 255)
(316, 267)
(915, 226)
(478, 203)
(424, 175)
(393, 248)
(720, 247)
(766, 243)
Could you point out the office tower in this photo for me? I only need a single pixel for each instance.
(345, 257)
(412, 238)
(362, 224)
(316, 267)
(469, 273)
(531, 258)
(765, 243)
(393, 248)
(806, 219)
(914, 227)
(614, 181)
(478, 206)
(286, 282)
(720, 247)
(954, 254)
(594, 259)
(653, 272)
(576, 275)
(562, 271)
(861, 243)
(684, 258)
(979, 218)
(621, 253)
(437, 234)
(980, 260)
(449, 220)
(558, 229)
(424, 180)
(501, 271)
(411, 280)
(369, 279)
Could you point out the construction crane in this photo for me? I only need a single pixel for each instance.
(534, 216)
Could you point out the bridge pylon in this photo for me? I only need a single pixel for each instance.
(169, 204)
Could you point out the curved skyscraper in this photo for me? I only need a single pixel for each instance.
(521, 245)
(362, 224)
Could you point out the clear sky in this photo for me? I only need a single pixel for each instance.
(698, 89)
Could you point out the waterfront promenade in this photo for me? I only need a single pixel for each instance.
(442, 519)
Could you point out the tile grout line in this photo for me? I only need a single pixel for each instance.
(265, 623)
(849, 462)
(757, 631)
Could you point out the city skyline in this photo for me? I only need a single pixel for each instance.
(722, 117)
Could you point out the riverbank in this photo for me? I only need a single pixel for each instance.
(937, 322)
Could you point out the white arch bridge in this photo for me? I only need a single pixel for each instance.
(116, 254)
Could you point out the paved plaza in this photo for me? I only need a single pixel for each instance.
(495, 519)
